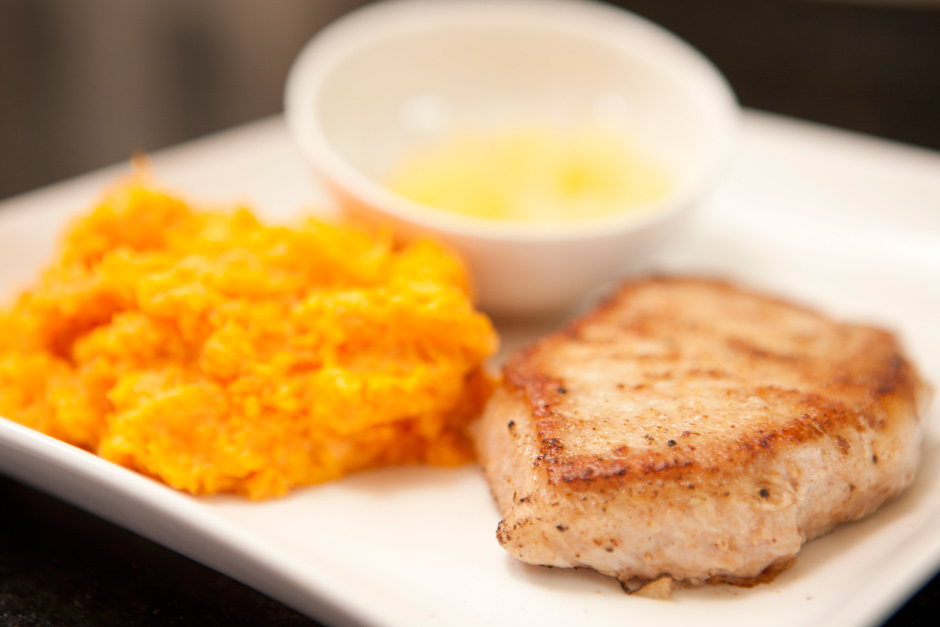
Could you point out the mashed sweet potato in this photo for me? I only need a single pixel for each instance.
(221, 355)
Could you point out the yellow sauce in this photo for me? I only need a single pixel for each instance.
(532, 174)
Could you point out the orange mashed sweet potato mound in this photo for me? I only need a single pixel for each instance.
(218, 354)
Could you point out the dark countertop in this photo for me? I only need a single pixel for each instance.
(868, 67)
(62, 566)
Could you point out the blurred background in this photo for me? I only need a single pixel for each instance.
(88, 83)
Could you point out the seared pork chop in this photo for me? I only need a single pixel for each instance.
(693, 430)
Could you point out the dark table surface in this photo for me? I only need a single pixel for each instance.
(869, 67)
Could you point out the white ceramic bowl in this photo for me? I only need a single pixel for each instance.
(392, 76)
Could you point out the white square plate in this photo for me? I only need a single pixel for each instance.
(848, 224)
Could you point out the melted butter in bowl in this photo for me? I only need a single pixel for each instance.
(551, 143)
(532, 174)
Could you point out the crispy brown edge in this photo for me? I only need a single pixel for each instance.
(816, 417)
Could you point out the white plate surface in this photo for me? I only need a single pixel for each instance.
(846, 223)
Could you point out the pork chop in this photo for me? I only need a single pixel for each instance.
(692, 430)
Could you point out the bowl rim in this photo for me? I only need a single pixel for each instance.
(579, 19)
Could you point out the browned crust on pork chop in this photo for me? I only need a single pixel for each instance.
(690, 428)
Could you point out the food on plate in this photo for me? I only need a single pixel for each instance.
(690, 431)
(218, 354)
(532, 174)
